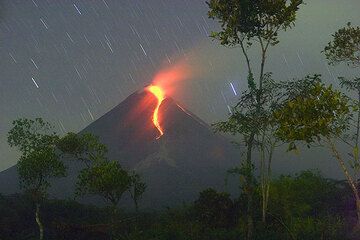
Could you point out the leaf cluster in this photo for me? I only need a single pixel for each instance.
(345, 46)
(137, 187)
(30, 135)
(106, 179)
(302, 194)
(100, 176)
(37, 168)
(39, 161)
(350, 85)
(85, 147)
(312, 111)
(214, 209)
(242, 20)
(253, 114)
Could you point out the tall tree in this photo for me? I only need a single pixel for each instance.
(100, 176)
(106, 179)
(345, 48)
(244, 119)
(243, 23)
(136, 189)
(318, 114)
(39, 161)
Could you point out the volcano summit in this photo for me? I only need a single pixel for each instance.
(175, 152)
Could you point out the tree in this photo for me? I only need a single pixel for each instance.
(39, 161)
(305, 206)
(214, 209)
(84, 147)
(136, 189)
(318, 114)
(243, 23)
(345, 48)
(305, 194)
(101, 177)
(245, 117)
(106, 179)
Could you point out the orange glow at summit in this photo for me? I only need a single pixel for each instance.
(170, 79)
(165, 83)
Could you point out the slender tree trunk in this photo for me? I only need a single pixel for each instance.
(38, 221)
(250, 187)
(350, 180)
(136, 207)
(356, 148)
(263, 179)
(358, 122)
(268, 180)
(358, 210)
(113, 221)
(250, 220)
(263, 58)
(265, 188)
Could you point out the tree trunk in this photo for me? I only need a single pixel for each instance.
(250, 220)
(136, 207)
(38, 221)
(249, 183)
(358, 210)
(113, 220)
(352, 183)
(268, 181)
(263, 181)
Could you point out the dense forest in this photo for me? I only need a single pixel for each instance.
(270, 116)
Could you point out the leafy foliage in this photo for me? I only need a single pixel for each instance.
(136, 188)
(305, 194)
(243, 19)
(250, 117)
(84, 147)
(214, 209)
(307, 204)
(37, 168)
(39, 161)
(30, 135)
(311, 112)
(345, 46)
(304, 206)
(106, 179)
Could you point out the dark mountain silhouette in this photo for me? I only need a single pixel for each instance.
(186, 159)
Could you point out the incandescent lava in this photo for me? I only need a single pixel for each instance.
(160, 95)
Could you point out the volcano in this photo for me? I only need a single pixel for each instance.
(175, 152)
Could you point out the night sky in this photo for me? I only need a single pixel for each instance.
(70, 62)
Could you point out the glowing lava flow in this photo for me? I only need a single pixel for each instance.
(159, 94)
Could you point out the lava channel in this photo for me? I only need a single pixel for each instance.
(159, 94)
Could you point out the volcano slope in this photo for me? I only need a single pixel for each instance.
(186, 159)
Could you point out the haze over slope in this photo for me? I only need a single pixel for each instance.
(187, 158)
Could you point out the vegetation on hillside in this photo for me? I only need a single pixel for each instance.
(302, 206)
